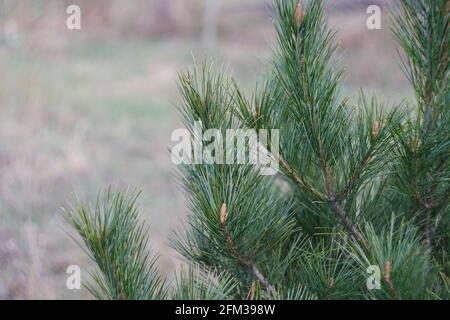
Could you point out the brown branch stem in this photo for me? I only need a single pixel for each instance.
(299, 180)
(427, 232)
(388, 281)
(337, 207)
(356, 173)
(243, 262)
(346, 221)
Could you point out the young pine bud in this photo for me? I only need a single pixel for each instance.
(387, 271)
(375, 129)
(102, 230)
(299, 14)
(331, 283)
(387, 279)
(223, 214)
(251, 292)
(417, 142)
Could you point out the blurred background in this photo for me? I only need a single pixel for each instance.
(84, 109)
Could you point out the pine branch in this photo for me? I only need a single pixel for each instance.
(196, 283)
(260, 221)
(335, 203)
(422, 31)
(299, 180)
(251, 265)
(397, 250)
(387, 279)
(311, 85)
(117, 243)
(356, 174)
(368, 187)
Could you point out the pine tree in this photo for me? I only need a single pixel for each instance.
(360, 187)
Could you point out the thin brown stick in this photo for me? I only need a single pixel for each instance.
(387, 279)
(430, 205)
(328, 291)
(427, 232)
(243, 262)
(337, 207)
(251, 291)
(440, 211)
(356, 174)
(346, 221)
(263, 280)
(299, 180)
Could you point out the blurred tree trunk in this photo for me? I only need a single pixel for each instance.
(210, 23)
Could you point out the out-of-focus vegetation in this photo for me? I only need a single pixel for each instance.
(81, 110)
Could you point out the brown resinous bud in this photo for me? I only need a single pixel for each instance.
(376, 126)
(223, 214)
(387, 271)
(331, 282)
(299, 14)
